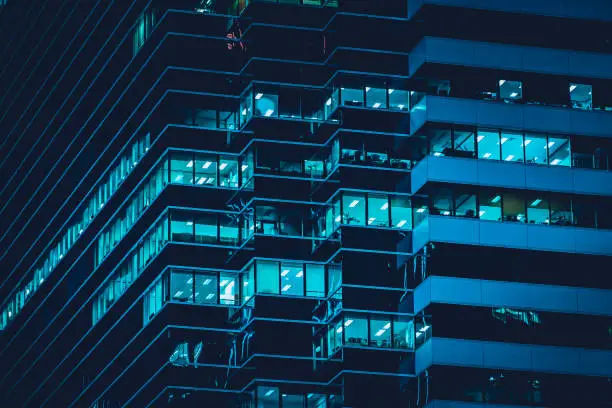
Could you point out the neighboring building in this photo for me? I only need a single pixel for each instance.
(305, 203)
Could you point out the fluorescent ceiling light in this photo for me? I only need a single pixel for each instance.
(371, 220)
(339, 329)
(367, 88)
(437, 154)
(177, 178)
(572, 87)
(259, 95)
(486, 155)
(222, 166)
(354, 203)
(555, 162)
(400, 106)
(230, 286)
(386, 326)
(202, 180)
(348, 322)
(421, 210)
(479, 138)
(481, 213)
(527, 141)
(244, 167)
(551, 144)
(329, 102)
(190, 281)
(206, 281)
(286, 288)
(244, 111)
(380, 332)
(338, 219)
(269, 113)
(299, 274)
(376, 105)
(267, 394)
(501, 82)
(384, 206)
(190, 163)
(189, 223)
(504, 140)
(496, 199)
(391, 91)
(206, 165)
(424, 329)
(514, 94)
(178, 293)
(401, 223)
(285, 272)
(224, 282)
(418, 334)
(510, 157)
(535, 202)
(445, 212)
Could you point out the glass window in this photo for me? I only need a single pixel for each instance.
(489, 206)
(181, 228)
(181, 286)
(464, 143)
(206, 228)
(537, 210)
(510, 91)
(268, 397)
(181, 168)
(380, 332)
(440, 142)
(535, 148)
(442, 202)
(335, 337)
(228, 172)
(247, 168)
(227, 289)
(603, 215)
(560, 211)
(378, 210)
(581, 96)
(514, 208)
(205, 169)
(512, 147)
(292, 279)
(559, 151)
(488, 144)
(228, 230)
(266, 104)
(267, 277)
(353, 208)
(206, 288)
(376, 98)
(315, 280)
(403, 333)
(465, 205)
(356, 330)
(334, 276)
(248, 283)
(401, 212)
(351, 97)
(398, 99)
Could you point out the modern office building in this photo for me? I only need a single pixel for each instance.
(305, 203)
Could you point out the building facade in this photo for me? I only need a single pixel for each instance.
(305, 203)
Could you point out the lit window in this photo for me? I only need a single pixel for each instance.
(581, 96)
(510, 91)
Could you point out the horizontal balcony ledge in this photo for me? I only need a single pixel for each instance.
(515, 175)
(469, 231)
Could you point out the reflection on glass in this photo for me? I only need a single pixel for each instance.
(353, 208)
(267, 277)
(510, 91)
(490, 206)
(398, 99)
(401, 212)
(181, 168)
(536, 148)
(351, 97)
(228, 172)
(376, 98)
(537, 210)
(464, 143)
(403, 333)
(581, 96)
(356, 330)
(206, 288)
(205, 169)
(378, 210)
(181, 286)
(512, 147)
(292, 279)
(266, 104)
(465, 205)
(559, 151)
(380, 332)
(488, 144)
(227, 289)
